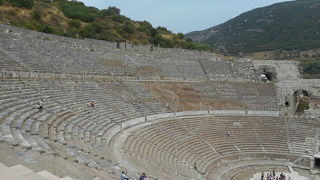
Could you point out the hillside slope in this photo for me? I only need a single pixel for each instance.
(293, 25)
(74, 19)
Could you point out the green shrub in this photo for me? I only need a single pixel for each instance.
(23, 3)
(303, 105)
(106, 36)
(98, 27)
(128, 28)
(36, 15)
(166, 43)
(1, 2)
(162, 42)
(126, 31)
(145, 27)
(67, 34)
(195, 46)
(74, 23)
(46, 29)
(111, 11)
(154, 33)
(32, 25)
(36, 25)
(88, 32)
(312, 68)
(119, 18)
(189, 40)
(77, 10)
(163, 30)
(180, 36)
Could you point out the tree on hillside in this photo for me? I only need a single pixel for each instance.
(119, 18)
(23, 3)
(111, 11)
(77, 10)
(72, 18)
(146, 27)
(180, 35)
(162, 42)
(163, 29)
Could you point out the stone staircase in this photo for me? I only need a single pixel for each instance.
(20, 172)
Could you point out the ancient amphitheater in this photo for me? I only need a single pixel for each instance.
(172, 113)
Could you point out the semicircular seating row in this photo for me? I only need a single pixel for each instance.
(176, 144)
(58, 54)
(67, 126)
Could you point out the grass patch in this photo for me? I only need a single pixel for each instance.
(303, 105)
(113, 63)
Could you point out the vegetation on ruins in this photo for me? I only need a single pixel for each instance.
(74, 19)
(311, 69)
(302, 105)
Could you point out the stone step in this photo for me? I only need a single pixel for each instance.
(20, 172)
(47, 175)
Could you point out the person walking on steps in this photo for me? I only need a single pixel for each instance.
(39, 106)
(124, 176)
(143, 175)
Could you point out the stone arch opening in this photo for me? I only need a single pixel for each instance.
(287, 104)
(317, 162)
(267, 74)
(270, 76)
(301, 100)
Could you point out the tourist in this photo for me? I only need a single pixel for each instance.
(195, 166)
(271, 176)
(262, 175)
(263, 78)
(124, 176)
(92, 104)
(282, 177)
(143, 175)
(39, 106)
(41, 102)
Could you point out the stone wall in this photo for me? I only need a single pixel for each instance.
(289, 80)
(55, 54)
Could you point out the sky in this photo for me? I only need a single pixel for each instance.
(182, 15)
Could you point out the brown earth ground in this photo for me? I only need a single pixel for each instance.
(183, 97)
(147, 71)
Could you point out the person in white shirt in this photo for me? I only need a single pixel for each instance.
(124, 176)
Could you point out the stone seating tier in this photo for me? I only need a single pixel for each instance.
(20, 172)
(50, 53)
(204, 140)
